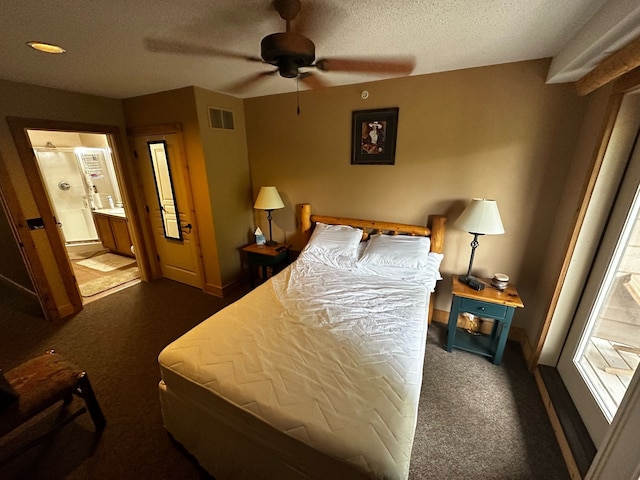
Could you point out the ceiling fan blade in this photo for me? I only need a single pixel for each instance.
(312, 81)
(247, 82)
(170, 46)
(402, 65)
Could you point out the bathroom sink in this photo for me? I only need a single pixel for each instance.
(112, 211)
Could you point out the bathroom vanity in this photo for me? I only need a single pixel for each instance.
(113, 230)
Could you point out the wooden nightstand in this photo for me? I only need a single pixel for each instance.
(488, 303)
(276, 257)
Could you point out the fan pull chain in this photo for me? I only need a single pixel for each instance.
(298, 94)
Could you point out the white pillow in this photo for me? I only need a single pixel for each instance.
(427, 276)
(396, 251)
(335, 245)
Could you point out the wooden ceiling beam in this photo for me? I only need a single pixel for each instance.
(612, 67)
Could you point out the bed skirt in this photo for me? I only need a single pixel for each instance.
(232, 444)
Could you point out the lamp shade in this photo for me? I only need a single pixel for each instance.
(481, 216)
(268, 199)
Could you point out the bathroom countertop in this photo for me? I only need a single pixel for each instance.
(116, 212)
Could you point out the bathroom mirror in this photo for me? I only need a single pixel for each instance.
(164, 189)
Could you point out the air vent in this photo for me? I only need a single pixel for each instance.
(220, 118)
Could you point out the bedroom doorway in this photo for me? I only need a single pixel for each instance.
(36, 229)
(602, 350)
(79, 176)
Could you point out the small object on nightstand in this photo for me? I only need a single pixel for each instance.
(490, 304)
(500, 281)
(260, 239)
(472, 282)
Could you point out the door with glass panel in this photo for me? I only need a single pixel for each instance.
(602, 351)
(167, 192)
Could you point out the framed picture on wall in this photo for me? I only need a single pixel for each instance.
(373, 136)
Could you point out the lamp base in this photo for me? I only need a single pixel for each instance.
(271, 243)
(471, 281)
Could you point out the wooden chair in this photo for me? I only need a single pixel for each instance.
(38, 385)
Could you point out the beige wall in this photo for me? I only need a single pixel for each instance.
(228, 179)
(495, 132)
(29, 101)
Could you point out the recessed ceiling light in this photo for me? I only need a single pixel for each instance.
(46, 47)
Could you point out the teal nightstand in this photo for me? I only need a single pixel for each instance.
(488, 303)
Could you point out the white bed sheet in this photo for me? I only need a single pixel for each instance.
(331, 357)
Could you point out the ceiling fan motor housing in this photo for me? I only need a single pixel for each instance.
(288, 51)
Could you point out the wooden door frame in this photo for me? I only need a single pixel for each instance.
(170, 129)
(627, 83)
(18, 127)
(18, 224)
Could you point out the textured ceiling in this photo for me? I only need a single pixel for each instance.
(106, 53)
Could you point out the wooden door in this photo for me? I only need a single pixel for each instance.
(179, 258)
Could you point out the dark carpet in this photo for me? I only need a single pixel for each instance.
(476, 420)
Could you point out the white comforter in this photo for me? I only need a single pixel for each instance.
(331, 357)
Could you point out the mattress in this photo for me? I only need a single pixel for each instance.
(317, 366)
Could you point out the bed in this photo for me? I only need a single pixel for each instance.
(316, 373)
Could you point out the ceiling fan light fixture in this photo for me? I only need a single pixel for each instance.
(46, 47)
(287, 67)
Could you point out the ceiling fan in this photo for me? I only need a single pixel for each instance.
(292, 54)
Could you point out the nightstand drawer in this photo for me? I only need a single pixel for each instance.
(483, 308)
(266, 260)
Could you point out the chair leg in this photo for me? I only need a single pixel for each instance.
(32, 443)
(86, 392)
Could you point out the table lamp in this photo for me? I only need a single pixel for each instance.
(481, 217)
(269, 200)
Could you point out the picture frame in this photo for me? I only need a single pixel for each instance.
(373, 136)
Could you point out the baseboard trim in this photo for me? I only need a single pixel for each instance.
(227, 290)
(66, 310)
(576, 445)
(440, 316)
(214, 290)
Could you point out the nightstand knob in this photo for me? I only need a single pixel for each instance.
(481, 309)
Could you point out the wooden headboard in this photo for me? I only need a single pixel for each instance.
(436, 231)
